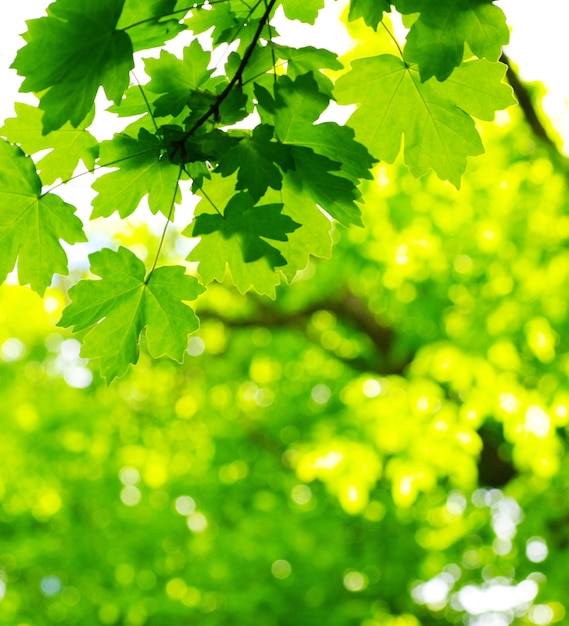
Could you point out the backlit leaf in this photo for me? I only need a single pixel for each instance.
(141, 171)
(370, 10)
(393, 102)
(301, 10)
(67, 145)
(150, 23)
(175, 78)
(117, 308)
(32, 225)
(436, 40)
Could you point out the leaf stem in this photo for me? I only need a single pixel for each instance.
(205, 195)
(393, 38)
(168, 220)
(96, 168)
(145, 101)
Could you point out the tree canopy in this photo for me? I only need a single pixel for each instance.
(350, 399)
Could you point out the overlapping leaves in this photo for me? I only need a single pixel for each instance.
(270, 189)
(141, 171)
(437, 38)
(433, 117)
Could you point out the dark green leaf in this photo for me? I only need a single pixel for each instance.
(250, 226)
(436, 40)
(150, 23)
(71, 53)
(370, 10)
(255, 159)
(335, 194)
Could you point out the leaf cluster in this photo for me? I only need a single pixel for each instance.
(246, 133)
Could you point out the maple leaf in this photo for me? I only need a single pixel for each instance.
(141, 171)
(298, 106)
(117, 308)
(80, 50)
(67, 145)
(319, 149)
(249, 226)
(218, 255)
(478, 88)
(370, 10)
(32, 224)
(436, 40)
(222, 16)
(254, 157)
(175, 78)
(313, 238)
(149, 23)
(394, 102)
(305, 60)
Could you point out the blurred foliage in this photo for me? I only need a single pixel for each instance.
(383, 445)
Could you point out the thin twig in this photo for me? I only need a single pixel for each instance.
(168, 220)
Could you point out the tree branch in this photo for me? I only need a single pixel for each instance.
(237, 78)
(526, 105)
(349, 309)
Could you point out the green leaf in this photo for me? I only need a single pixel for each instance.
(338, 144)
(370, 10)
(223, 16)
(436, 40)
(150, 23)
(134, 102)
(394, 102)
(218, 255)
(67, 145)
(117, 308)
(142, 170)
(175, 78)
(302, 10)
(254, 158)
(478, 88)
(308, 60)
(299, 104)
(247, 225)
(313, 238)
(31, 225)
(335, 194)
(71, 53)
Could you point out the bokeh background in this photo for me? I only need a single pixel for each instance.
(383, 445)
